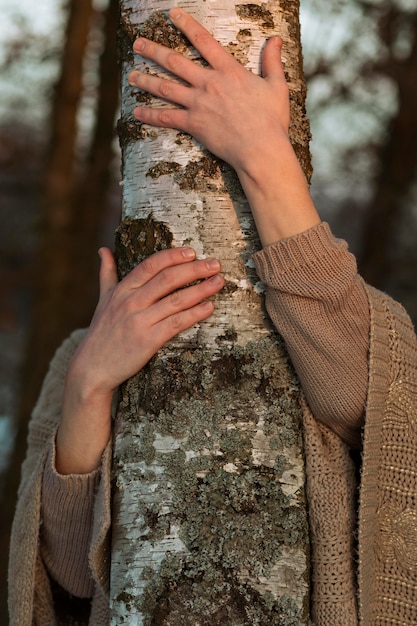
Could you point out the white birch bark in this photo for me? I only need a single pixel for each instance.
(209, 514)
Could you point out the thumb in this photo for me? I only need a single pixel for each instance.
(272, 67)
(108, 274)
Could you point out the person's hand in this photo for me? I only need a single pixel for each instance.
(133, 320)
(228, 109)
(240, 117)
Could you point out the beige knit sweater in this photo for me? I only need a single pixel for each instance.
(321, 307)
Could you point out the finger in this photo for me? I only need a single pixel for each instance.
(163, 118)
(166, 89)
(185, 318)
(108, 273)
(186, 298)
(156, 263)
(169, 59)
(210, 49)
(168, 281)
(108, 279)
(169, 327)
(272, 67)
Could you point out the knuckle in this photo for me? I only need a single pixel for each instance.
(148, 267)
(165, 88)
(176, 322)
(176, 299)
(174, 60)
(164, 281)
(130, 308)
(201, 38)
(164, 117)
(199, 270)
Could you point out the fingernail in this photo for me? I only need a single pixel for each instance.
(207, 305)
(132, 78)
(188, 253)
(175, 13)
(212, 264)
(216, 280)
(139, 45)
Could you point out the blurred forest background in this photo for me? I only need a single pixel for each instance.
(60, 172)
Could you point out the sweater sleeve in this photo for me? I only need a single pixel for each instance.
(30, 597)
(319, 304)
(67, 508)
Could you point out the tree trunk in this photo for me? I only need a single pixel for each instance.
(209, 512)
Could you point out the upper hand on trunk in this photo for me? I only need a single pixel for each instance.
(240, 117)
(231, 111)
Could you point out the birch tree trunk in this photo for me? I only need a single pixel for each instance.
(209, 512)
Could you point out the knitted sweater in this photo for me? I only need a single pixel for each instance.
(320, 306)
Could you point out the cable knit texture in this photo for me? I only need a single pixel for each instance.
(388, 513)
(314, 297)
(331, 487)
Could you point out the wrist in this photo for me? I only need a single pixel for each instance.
(278, 194)
(85, 425)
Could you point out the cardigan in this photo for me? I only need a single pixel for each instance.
(386, 592)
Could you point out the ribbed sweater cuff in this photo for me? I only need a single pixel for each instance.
(67, 515)
(76, 486)
(301, 263)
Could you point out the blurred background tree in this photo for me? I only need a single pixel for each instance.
(361, 66)
(66, 216)
(59, 174)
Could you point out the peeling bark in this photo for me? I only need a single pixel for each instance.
(209, 512)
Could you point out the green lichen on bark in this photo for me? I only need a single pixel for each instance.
(234, 516)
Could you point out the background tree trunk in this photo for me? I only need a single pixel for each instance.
(74, 210)
(386, 213)
(210, 523)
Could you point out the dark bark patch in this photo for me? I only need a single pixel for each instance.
(159, 29)
(163, 168)
(130, 131)
(136, 239)
(256, 13)
(198, 175)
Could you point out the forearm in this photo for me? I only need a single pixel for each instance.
(85, 427)
(277, 192)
